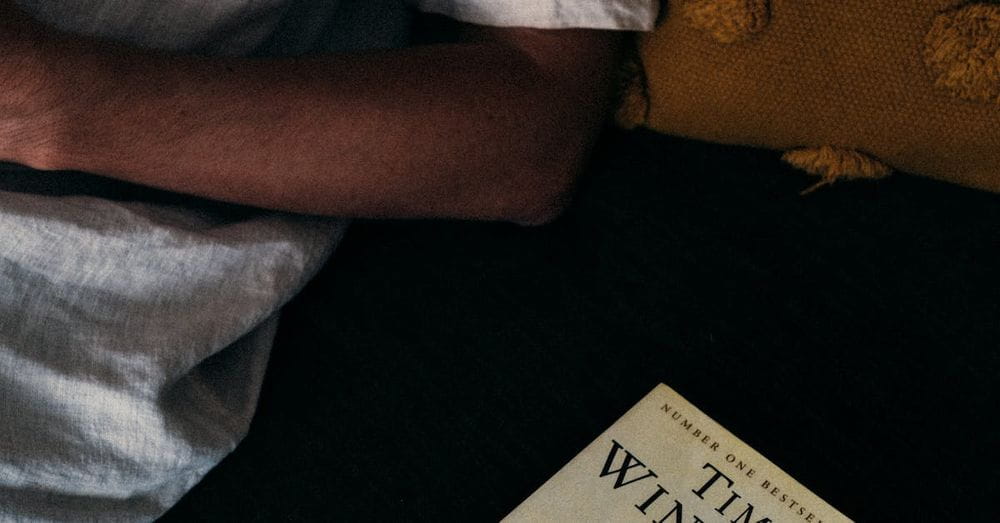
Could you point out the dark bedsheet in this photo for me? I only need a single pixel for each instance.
(442, 371)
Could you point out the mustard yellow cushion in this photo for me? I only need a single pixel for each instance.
(851, 88)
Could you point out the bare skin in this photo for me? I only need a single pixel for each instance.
(495, 126)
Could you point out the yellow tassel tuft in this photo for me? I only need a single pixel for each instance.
(834, 163)
(728, 21)
(962, 50)
(633, 91)
(633, 111)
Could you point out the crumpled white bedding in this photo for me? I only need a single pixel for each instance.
(133, 341)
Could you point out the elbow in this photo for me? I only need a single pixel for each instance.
(547, 175)
(545, 194)
(549, 172)
(540, 209)
(559, 154)
(546, 148)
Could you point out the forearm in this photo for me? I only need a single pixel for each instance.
(474, 130)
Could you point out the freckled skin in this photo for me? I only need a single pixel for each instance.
(494, 125)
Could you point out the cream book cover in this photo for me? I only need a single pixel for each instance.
(667, 462)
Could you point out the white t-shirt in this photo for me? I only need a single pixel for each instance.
(242, 26)
(134, 332)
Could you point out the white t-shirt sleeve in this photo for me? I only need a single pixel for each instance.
(626, 15)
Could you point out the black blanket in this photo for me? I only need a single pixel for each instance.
(442, 371)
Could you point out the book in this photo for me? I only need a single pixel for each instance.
(667, 462)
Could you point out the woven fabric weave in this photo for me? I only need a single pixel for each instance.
(851, 74)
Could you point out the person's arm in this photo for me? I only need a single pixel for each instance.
(493, 127)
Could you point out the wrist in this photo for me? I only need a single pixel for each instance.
(44, 102)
